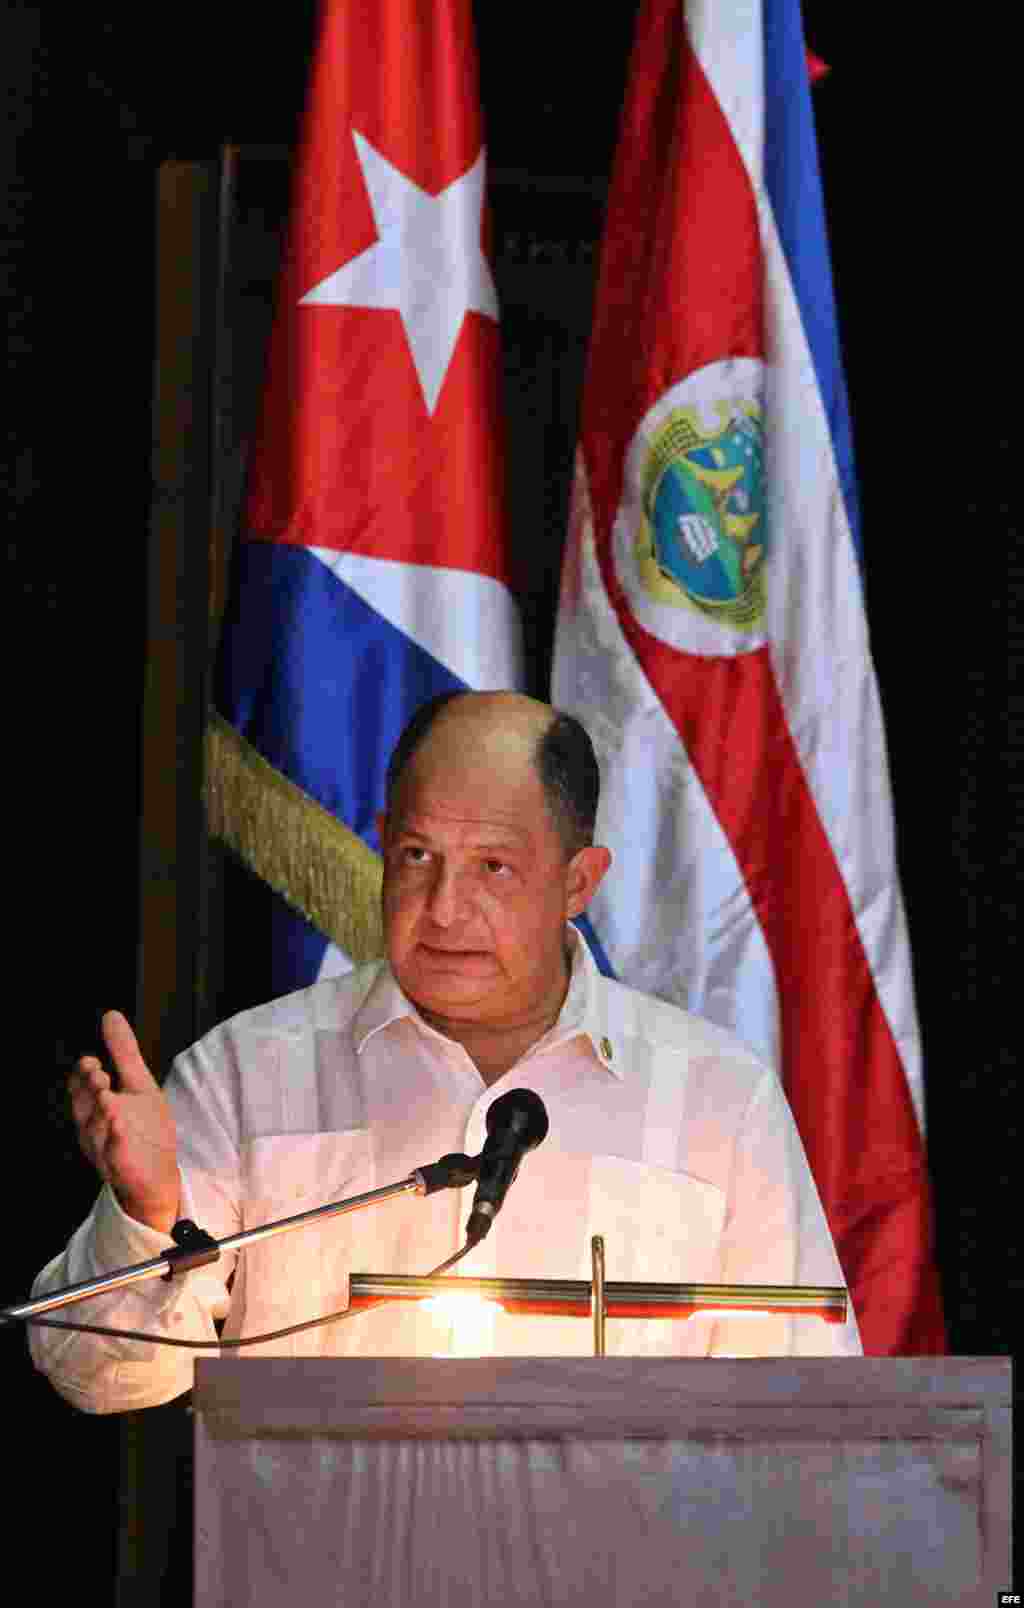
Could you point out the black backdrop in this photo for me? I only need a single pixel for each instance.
(915, 124)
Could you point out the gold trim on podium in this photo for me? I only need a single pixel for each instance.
(573, 1298)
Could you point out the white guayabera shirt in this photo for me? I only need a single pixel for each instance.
(666, 1136)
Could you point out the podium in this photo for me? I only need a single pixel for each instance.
(601, 1481)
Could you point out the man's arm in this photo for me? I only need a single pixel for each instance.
(129, 1134)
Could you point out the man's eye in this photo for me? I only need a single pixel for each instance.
(414, 855)
(494, 866)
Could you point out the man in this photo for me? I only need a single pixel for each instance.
(666, 1136)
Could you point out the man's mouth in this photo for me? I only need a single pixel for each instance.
(444, 949)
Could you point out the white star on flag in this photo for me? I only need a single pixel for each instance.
(427, 262)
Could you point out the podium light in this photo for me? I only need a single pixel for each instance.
(574, 1298)
(470, 1316)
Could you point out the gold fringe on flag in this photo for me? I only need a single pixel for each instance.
(315, 863)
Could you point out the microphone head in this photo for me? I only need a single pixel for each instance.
(523, 1112)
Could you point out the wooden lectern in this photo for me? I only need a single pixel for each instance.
(604, 1482)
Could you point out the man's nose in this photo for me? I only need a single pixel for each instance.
(447, 898)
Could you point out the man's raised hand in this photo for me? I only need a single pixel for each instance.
(127, 1134)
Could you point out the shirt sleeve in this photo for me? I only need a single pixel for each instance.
(775, 1232)
(104, 1374)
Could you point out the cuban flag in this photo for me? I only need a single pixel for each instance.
(712, 631)
(372, 570)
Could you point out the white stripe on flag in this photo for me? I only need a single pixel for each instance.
(729, 44)
(334, 964)
(466, 621)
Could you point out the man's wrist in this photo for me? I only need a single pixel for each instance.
(160, 1218)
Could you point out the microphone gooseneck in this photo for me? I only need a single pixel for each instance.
(516, 1124)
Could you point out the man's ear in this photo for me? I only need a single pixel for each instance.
(584, 876)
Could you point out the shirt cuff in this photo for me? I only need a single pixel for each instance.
(121, 1240)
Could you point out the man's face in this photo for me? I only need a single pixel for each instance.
(477, 889)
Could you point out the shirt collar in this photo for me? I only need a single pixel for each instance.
(385, 1003)
(584, 1010)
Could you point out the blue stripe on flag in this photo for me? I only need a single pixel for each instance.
(318, 681)
(793, 180)
(297, 948)
(583, 925)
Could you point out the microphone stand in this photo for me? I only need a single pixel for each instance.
(195, 1248)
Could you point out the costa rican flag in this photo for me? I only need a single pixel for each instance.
(712, 632)
(373, 568)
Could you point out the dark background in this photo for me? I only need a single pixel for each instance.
(918, 152)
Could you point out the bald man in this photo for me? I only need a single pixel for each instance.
(667, 1136)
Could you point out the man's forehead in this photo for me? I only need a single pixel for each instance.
(436, 825)
(470, 795)
(426, 805)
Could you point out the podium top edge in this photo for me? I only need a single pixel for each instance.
(669, 1384)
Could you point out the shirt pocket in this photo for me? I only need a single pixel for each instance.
(659, 1226)
(290, 1277)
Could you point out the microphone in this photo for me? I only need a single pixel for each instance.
(516, 1124)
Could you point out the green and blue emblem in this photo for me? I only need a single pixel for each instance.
(703, 540)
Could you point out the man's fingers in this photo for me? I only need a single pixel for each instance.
(124, 1050)
(83, 1104)
(94, 1137)
(90, 1074)
(86, 1081)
